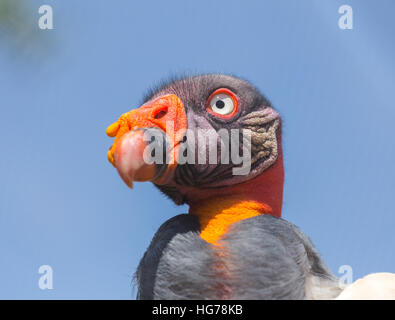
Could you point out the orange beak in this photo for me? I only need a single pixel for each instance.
(167, 114)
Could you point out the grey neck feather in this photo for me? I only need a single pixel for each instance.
(259, 258)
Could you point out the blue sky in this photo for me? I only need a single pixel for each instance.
(62, 203)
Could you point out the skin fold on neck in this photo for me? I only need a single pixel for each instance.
(218, 209)
(216, 215)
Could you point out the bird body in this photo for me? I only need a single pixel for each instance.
(232, 244)
(263, 257)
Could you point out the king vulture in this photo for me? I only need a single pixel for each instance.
(233, 243)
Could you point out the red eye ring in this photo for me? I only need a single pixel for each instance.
(229, 93)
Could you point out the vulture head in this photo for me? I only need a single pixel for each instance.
(210, 141)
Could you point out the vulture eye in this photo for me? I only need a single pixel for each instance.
(222, 103)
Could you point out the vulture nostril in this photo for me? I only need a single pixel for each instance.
(160, 114)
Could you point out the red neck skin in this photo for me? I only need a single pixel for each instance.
(266, 189)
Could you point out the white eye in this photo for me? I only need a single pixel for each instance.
(222, 103)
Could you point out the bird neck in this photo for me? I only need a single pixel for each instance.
(217, 209)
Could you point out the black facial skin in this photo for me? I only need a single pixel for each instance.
(194, 92)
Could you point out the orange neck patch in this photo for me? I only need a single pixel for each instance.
(216, 215)
(218, 208)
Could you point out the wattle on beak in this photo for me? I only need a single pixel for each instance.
(165, 113)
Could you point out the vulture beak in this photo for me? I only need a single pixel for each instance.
(166, 114)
